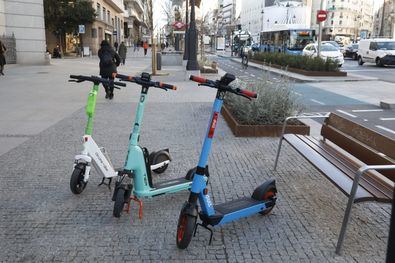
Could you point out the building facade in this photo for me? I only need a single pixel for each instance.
(350, 18)
(384, 20)
(136, 27)
(257, 16)
(25, 21)
(108, 25)
(226, 18)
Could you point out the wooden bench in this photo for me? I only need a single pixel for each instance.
(350, 156)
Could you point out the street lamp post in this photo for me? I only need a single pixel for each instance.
(186, 36)
(192, 57)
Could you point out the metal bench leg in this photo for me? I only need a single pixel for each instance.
(278, 152)
(347, 213)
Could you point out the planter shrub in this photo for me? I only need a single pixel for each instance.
(275, 102)
(297, 62)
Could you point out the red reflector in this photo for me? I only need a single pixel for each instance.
(213, 124)
(205, 191)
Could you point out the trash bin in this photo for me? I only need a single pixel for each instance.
(159, 61)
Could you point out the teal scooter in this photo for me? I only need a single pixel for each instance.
(136, 176)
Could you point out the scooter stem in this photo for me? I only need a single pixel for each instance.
(90, 109)
(139, 118)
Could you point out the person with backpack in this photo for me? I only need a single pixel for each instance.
(2, 57)
(109, 61)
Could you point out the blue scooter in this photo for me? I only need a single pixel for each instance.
(262, 200)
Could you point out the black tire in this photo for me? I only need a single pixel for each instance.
(360, 61)
(185, 227)
(190, 174)
(158, 158)
(379, 62)
(119, 202)
(270, 193)
(77, 184)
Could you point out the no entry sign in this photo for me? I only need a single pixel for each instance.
(322, 15)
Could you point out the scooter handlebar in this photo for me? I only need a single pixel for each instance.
(248, 93)
(143, 82)
(198, 79)
(96, 80)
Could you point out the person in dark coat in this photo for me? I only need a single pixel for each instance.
(122, 52)
(2, 57)
(116, 46)
(109, 61)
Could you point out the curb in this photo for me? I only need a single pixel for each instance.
(302, 79)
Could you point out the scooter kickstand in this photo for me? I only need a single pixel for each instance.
(205, 227)
(108, 184)
(134, 198)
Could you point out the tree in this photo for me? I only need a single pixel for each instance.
(63, 17)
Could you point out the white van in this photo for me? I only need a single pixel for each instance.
(380, 51)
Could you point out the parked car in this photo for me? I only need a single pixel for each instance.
(327, 51)
(352, 51)
(380, 51)
(336, 45)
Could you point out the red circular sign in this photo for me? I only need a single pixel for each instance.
(322, 15)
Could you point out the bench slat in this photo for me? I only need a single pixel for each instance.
(369, 181)
(334, 174)
(357, 149)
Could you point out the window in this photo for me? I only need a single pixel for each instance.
(373, 46)
(340, 22)
(98, 11)
(108, 16)
(104, 14)
(94, 33)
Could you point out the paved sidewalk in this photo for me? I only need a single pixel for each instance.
(41, 220)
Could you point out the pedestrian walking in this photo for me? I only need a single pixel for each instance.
(116, 46)
(3, 49)
(145, 46)
(122, 52)
(109, 61)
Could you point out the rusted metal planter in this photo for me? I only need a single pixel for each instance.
(240, 130)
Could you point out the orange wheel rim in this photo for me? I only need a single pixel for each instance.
(181, 228)
(268, 195)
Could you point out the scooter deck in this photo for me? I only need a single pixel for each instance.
(235, 205)
(170, 183)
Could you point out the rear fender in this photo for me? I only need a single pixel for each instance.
(262, 189)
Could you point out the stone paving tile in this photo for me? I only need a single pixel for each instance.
(41, 220)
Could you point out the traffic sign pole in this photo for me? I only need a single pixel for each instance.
(320, 28)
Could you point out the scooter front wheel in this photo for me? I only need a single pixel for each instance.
(186, 226)
(119, 202)
(77, 184)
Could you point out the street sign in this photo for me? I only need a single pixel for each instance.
(178, 25)
(114, 33)
(322, 15)
(81, 29)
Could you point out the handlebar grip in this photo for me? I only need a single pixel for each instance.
(122, 77)
(167, 86)
(74, 77)
(121, 84)
(198, 79)
(248, 93)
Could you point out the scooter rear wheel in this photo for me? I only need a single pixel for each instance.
(119, 202)
(77, 184)
(186, 226)
(270, 193)
(158, 158)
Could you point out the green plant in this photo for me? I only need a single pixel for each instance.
(298, 62)
(275, 102)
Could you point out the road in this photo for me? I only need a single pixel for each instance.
(320, 100)
(370, 69)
